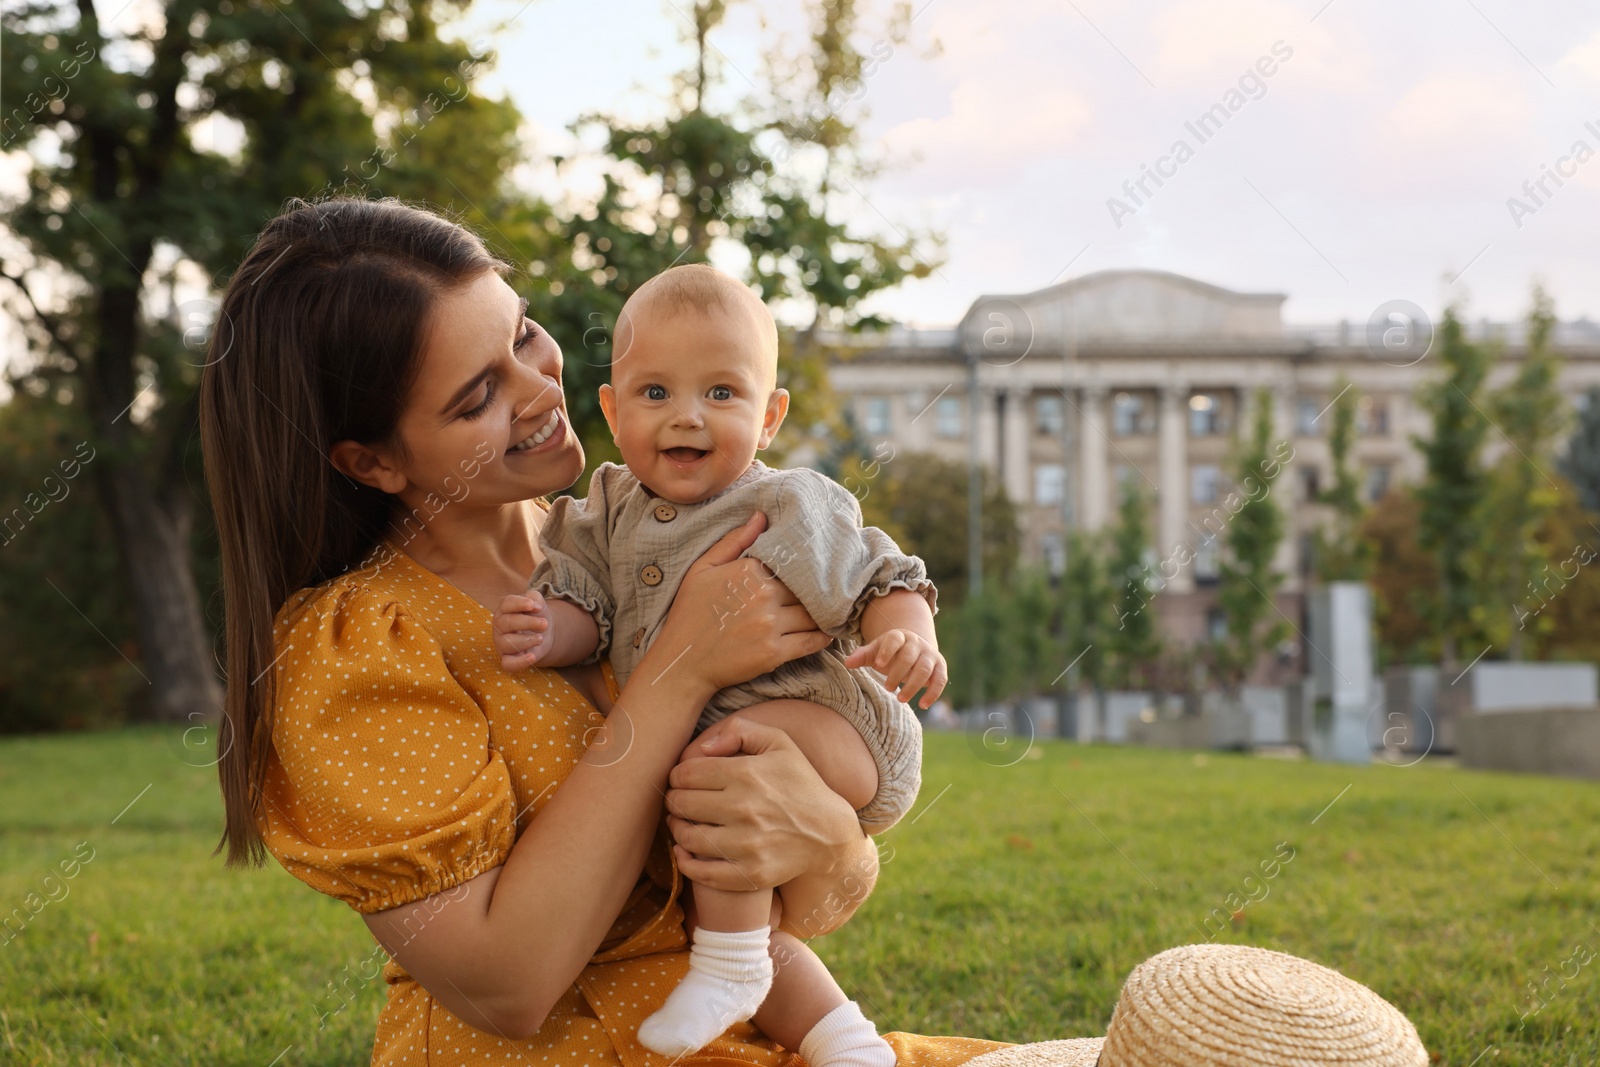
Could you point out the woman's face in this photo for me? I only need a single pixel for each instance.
(485, 420)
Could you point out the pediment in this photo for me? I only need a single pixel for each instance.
(1124, 306)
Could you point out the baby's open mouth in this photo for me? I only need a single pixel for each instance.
(685, 455)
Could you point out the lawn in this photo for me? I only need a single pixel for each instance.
(1012, 902)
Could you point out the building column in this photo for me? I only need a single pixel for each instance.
(1173, 480)
(1092, 447)
(1287, 559)
(988, 429)
(1015, 451)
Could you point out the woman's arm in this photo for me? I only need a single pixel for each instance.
(500, 954)
(770, 819)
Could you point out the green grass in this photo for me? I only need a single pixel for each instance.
(1013, 902)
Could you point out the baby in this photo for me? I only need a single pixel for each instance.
(693, 396)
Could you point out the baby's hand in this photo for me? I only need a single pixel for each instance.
(521, 630)
(907, 661)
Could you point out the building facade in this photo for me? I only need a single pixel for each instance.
(1147, 375)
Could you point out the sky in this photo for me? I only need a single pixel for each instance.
(1376, 161)
(1365, 151)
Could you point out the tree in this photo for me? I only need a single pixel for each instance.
(1404, 578)
(676, 189)
(1346, 555)
(1454, 483)
(128, 210)
(1581, 462)
(1133, 647)
(1530, 412)
(1085, 607)
(57, 668)
(921, 500)
(1247, 583)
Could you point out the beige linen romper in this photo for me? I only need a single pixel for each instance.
(621, 553)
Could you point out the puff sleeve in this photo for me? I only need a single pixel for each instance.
(576, 540)
(817, 545)
(381, 787)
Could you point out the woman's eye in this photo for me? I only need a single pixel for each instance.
(655, 392)
(721, 392)
(529, 329)
(478, 411)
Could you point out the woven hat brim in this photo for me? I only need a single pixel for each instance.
(1072, 1052)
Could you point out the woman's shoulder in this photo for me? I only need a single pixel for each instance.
(360, 615)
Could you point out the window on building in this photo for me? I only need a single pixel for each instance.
(1204, 481)
(1310, 482)
(1129, 415)
(1307, 420)
(1377, 482)
(1049, 483)
(1205, 415)
(948, 416)
(1054, 549)
(877, 421)
(1372, 417)
(1206, 562)
(1049, 415)
(1216, 624)
(1308, 552)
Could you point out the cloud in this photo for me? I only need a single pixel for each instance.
(1583, 59)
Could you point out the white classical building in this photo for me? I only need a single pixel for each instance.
(1144, 374)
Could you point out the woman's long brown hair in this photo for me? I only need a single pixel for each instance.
(318, 340)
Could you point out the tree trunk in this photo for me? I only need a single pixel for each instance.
(152, 531)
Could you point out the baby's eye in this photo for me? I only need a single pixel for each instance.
(655, 392)
(721, 392)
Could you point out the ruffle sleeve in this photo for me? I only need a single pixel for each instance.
(576, 567)
(382, 788)
(833, 564)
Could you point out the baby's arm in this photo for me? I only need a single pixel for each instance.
(899, 643)
(531, 629)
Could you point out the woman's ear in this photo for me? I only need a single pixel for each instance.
(367, 465)
(777, 408)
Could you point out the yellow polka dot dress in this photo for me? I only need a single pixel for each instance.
(404, 762)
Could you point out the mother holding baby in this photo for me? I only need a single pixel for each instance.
(381, 425)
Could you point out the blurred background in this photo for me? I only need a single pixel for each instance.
(1364, 224)
(1234, 366)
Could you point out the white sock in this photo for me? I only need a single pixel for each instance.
(845, 1038)
(729, 976)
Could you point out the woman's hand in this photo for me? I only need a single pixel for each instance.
(732, 620)
(759, 820)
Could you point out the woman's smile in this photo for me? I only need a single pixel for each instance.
(553, 429)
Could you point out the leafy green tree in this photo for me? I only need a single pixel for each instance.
(1247, 583)
(57, 667)
(1454, 484)
(1345, 556)
(920, 500)
(1581, 462)
(1530, 412)
(136, 204)
(1086, 595)
(675, 188)
(1133, 647)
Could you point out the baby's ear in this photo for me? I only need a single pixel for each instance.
(608, 407)
(777, 408)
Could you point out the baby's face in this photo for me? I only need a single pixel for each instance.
(692, 397)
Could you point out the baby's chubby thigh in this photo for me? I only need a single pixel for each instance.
(829, 743)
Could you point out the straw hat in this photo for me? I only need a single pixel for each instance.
(1204, 1005)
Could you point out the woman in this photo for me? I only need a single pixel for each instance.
(380, 422)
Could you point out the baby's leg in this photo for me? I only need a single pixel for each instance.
(804, 994)
(730, 973)
(808, 1012)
